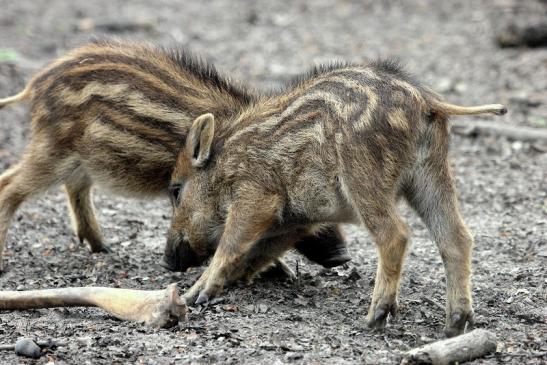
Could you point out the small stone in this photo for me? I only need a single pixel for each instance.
(538, 121)
(353, 275)
(517, 145)
(295, 347)
(86, 25)
(250, 308)
(300, 300)
(27, 348)
(444, 85)
(85, 341)
(230, 308)
(216, 301)
(293, 356)
(460, 88)
(262, 308)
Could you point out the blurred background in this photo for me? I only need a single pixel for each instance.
(460, 48)
(450, 45)
(470, 51)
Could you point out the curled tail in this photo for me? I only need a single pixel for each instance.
(447, 109)
(15, 98)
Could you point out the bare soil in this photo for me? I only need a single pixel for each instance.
(318, 318)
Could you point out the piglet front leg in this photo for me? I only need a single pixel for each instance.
(247, 221)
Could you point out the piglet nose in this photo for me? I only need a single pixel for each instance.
(178, 255)
(170, 264)
(172, 257)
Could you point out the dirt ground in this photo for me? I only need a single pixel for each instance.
(319, 318)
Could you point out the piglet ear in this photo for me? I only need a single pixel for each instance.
(200, 139)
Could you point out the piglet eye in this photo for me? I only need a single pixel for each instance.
(175, 191)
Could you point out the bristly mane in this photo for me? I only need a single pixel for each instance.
(393, 67)
(316, 71)
(188, 62)
(389, 67)
(207, 73)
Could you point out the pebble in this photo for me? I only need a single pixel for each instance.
(28, 348)
(85, 341)
(293, 356)
(262, 308)
(444, 85)
(460, 88)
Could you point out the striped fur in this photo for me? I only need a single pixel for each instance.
(115, 114)
(342, 144)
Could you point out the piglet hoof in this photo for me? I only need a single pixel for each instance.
(457, 321)
(377, 319)
(95, 243)
(99, 248)
(203, 298)
(190, 298)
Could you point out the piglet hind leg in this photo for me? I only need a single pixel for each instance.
(39, 170)
(7, 209)
(391, 236)
(155, 308)
(433, 195)
(379, 214)
(78, 188)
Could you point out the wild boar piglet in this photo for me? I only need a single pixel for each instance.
(341, 145)
(116, 114)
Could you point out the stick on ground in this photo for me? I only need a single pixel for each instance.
(469, 346)
(155, 308)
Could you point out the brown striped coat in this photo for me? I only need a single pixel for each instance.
(341, 145)
(116, 114)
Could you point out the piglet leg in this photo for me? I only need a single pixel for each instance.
(155, 308)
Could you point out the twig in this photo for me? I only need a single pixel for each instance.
(155, 308)
(458, 349)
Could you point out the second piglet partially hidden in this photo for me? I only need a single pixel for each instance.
(116, 114)
(342, 145)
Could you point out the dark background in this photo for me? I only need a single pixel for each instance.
(320, 317)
